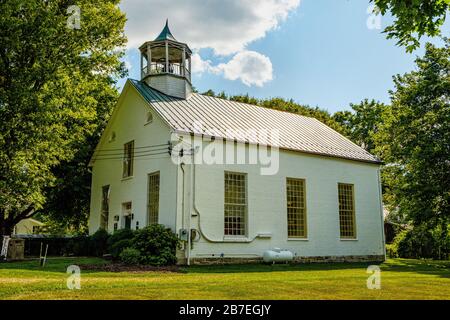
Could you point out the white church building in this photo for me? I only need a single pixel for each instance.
(233, 180)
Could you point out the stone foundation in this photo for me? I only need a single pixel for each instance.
(334, 259)
(230, 260)
(297, 260)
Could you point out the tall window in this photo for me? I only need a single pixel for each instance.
(128, 154)
(346, 211)
(235, 203)
(104, 215)
(296, 208)
(153, 198)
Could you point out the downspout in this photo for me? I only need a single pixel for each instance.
(188, 251)
(380, 196)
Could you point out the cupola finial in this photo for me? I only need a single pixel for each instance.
(165, 33)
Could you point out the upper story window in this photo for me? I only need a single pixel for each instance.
(296, 208)
(128, 157)
(346, 211)
(235, 204)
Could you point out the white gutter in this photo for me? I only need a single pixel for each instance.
(188, 249)
(380, 196)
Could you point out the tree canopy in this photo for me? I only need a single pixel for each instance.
(288, 105)
(56, 88)
(363, 123)
(413, 19)
(414, 141)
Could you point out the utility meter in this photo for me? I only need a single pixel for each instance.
(184, 234)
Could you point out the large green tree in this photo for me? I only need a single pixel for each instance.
(362, 123)
(414, 141)
(413, 19)
(56, 81)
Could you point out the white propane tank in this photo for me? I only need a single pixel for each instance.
(277, 255)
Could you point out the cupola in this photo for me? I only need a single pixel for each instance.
(166, 65)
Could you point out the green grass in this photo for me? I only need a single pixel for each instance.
(400, 279)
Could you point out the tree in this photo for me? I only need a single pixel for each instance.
(413, 19)
(67, 201)
(56, 80)
(285, 105)
(414, 141)
(363, 123)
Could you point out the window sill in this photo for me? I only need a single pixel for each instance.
(348, 239)
(298, 239)
(127, 178)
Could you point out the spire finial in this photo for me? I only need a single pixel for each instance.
(165, 33)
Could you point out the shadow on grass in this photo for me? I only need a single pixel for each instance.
(429, 267)
(53, 264)
(275, 267)
(440, 268)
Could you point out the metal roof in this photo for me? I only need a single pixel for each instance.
(218, 116)
(165, 33)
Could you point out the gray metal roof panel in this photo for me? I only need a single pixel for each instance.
(219, 117)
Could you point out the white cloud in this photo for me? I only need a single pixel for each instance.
(251, 67)
(128, 64)
(199, 65)
(226, 27)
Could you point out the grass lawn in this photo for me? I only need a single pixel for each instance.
(400, 279)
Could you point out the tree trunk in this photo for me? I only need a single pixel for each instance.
(6, 229)
(7, 224)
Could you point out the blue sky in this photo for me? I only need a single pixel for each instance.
(317, 52)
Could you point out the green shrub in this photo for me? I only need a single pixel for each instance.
(391, 251)
(422, 241)
(99, 243)
(119, 235)
(118, 241)
(116, 248)
(130, 256)
(156, 244)
(80, 246)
